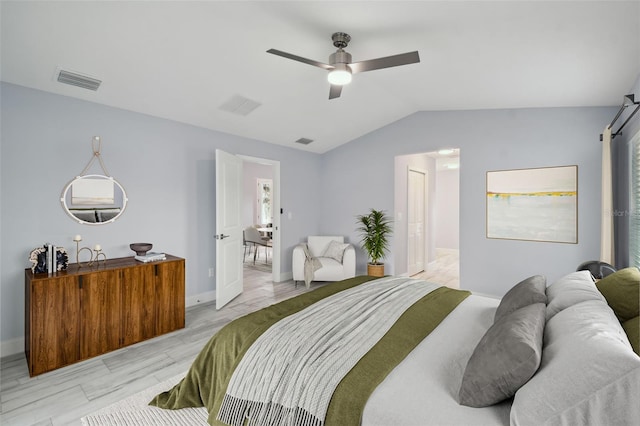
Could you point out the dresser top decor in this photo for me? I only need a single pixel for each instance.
(109, 264)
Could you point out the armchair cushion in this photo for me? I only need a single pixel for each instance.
(331, 270)
(335, 250)
(318, 243)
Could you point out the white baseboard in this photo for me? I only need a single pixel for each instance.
(11, 346)
(207, 296)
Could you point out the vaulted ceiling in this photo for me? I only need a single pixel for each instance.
(183, 60)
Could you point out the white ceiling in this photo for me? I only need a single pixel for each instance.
(182, 60)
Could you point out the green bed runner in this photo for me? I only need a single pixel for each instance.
(207, 379)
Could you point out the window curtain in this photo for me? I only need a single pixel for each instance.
(634, 203)
(606, 228)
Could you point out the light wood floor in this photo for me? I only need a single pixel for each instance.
(63, 396)
(445, 270)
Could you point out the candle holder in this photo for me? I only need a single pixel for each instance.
(96, 258)
(77, 239)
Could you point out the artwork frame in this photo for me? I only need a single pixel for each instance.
(533, 204)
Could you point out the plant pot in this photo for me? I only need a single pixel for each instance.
(375, 270)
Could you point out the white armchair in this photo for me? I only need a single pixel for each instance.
(331, 269)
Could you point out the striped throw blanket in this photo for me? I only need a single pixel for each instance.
(289, 374)
(207, 383)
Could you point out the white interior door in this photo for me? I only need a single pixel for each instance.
(416, 220)
(228, 227)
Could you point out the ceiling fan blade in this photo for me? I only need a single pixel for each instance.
(335, 91)
(386, 62)
(300, 59)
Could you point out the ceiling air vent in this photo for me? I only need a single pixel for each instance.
(79, 80)
(239, 105)
(304, 141)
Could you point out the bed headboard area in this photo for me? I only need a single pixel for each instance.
(571, 360)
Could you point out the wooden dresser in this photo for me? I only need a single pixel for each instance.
(86, 311)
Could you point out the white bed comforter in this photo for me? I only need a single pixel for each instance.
(423, 389)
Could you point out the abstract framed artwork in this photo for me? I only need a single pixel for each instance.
(538, 204)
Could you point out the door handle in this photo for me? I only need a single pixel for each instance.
(221, 236)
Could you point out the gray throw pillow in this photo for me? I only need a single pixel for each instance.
(526, 292)
(507, 356)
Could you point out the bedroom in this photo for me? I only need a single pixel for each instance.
(167, 166)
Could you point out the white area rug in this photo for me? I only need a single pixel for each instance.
(135, 411)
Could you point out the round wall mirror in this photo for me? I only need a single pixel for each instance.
(94, 199)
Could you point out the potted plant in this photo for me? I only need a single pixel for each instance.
(375, 228)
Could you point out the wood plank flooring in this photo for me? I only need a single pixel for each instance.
(63, 396)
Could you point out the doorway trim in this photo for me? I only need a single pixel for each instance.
(276, 240)
(400, 244)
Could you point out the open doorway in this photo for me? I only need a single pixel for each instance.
(426, 236)
(260, 248)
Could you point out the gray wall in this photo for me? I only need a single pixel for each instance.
(167, 169)
(360, 175)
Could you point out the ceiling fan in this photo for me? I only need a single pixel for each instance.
(340, 66)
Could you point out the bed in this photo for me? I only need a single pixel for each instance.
(541, 355)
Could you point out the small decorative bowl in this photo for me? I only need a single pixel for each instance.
(140, 248)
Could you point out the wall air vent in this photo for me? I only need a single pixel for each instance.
(239, 105)
(79, 80)
(304, 141)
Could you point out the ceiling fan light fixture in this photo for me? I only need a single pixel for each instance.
(341, 67)
(340, 75)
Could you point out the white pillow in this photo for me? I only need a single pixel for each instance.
(335, 250)
(589, 373)
(571, 289)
